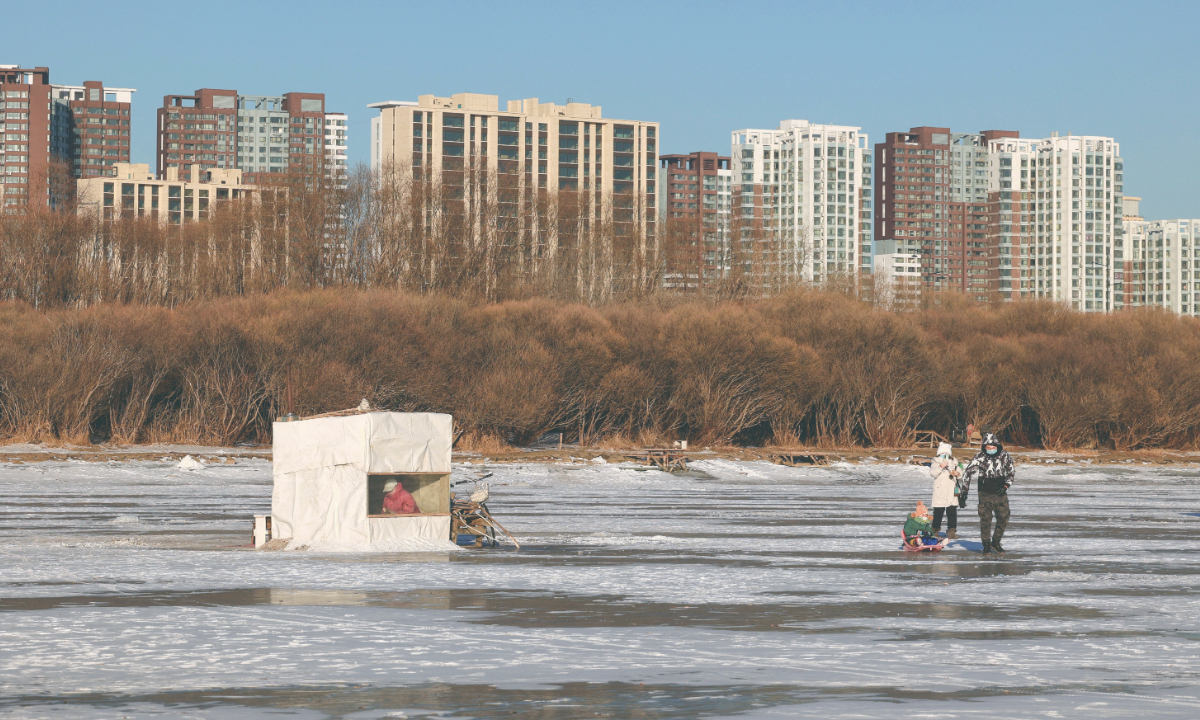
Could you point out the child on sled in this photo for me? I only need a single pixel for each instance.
(918, 528)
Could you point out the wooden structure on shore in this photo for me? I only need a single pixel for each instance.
(928, 438)
(797, 459)
(665, 459)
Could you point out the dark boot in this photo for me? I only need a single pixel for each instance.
(952, 533)
(987, 549)
(996, 540)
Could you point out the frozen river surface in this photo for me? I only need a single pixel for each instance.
(737, 590)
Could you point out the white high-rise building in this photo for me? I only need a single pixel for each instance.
(335, 142)
(806, 188)
(897, 274)
(1165, 265)
(1066, 193)
(1128, 290)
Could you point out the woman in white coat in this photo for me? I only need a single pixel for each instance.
(945, 473)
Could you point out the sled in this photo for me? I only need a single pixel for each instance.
(909, 547)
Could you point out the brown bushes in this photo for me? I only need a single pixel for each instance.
(805, 367)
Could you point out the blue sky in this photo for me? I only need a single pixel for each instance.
(1122, 69)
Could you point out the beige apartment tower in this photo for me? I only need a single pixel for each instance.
(468, 146)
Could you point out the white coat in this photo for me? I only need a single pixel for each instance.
(943, 482)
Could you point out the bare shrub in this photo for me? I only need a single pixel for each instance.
(225, 392)
(1155, 383)
(804, 367)
(1066, 385)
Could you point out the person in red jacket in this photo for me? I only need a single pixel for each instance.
(397, 500)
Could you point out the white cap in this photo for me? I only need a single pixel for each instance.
(390, 486)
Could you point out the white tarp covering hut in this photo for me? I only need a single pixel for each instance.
(330, 473)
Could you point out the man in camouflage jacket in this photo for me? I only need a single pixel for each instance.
(993, 467)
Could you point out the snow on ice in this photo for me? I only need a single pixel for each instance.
(737, 589)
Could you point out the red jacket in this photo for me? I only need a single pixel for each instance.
(399, 502)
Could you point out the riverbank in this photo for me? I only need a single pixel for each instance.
(29, 452)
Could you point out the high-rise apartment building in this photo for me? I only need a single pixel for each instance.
(1048, 225)
(1128, 279)
(257, 134)
(198, 129)
(284, 133)
(896, 277)
(460, 142)
(336, 128)
(694, 197)
(1011, 220)
(1057, 214)
(92, 127)
(1155, 261)
(86, 127)
(27, 132)
(931, 190)
(803, 190)
(1166, 273)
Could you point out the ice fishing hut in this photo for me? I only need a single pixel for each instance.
(330, 472)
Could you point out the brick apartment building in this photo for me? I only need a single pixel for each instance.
(695, 198)
(96, 126)
(86, 127)
(257, 134)
(931, 193)
(26, 133)
(999, 217)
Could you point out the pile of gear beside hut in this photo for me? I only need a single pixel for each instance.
(362, 479)
(472, 524)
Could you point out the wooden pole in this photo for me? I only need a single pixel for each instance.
(492, 520)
